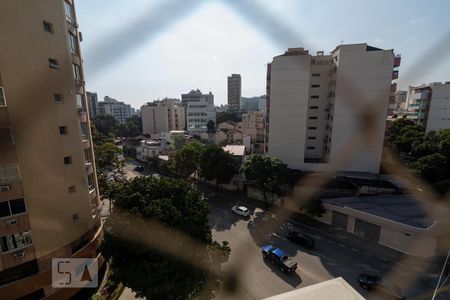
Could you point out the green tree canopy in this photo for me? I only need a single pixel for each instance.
(106, 124)
(154, 274)
(264, 172)
(108, 155)
(433, 168)
(211, 126)
(187, 159)
(216, 164)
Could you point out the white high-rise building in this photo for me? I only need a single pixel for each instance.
(162, 116)
(430, 105)
(119, 110)
(316, 103)
(199, 111)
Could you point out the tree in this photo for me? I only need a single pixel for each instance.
(146, 208)
(187, 160)
(264, 172)
(106, 124)
(134, 125)
(314, 207)
(216, 164)
(433, 167)
(108, 155)
(211, 126)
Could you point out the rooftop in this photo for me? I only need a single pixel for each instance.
(236, 150)
(404, 209)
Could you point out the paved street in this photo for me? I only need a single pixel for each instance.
(336, 253)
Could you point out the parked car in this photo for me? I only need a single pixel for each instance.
(241, 210)
(301, 239)
(139, 168)
(368, 282)
(276, 256)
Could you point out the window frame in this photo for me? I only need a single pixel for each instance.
(49, 26)
(12, 243)
(2, 97)
(3, 178)
(11, 214)
(53, 63)
(68, 160)
(10, 137)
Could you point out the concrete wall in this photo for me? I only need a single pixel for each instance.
(439, 111)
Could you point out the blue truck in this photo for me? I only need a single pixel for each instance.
(277, 257)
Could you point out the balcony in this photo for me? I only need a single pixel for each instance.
(89, 167)
(79, 86)
(393, 88)
(394, 75)
(397, 61)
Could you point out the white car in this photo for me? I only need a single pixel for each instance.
(241, 210)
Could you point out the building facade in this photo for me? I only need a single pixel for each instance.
(429, 105)
(119, 110)
(199, 110)
(234, 92)
(49, 204)
(253, 104)
(401, 100)
(92, 100)
(314, 109)
(162, 116)
(253, 125)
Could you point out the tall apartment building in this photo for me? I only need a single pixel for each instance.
(316, 103)
(48, 186)
(199, 110)
(253, 125)
(253, 104)
(401, 100)
(234, 92)
(119, 110)
(430, 105)
(92, 100)
(162, 116)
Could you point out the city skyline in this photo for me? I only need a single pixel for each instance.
(155, 67)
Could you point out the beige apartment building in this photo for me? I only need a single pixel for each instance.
(429, 105)
(162, 116)
(253, 125)
(48, 187)
(316, 104)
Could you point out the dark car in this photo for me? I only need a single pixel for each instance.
(277, 257)
(301, 239)
(139, 168)
(375, 282)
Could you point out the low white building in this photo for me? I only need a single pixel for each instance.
(150, 149)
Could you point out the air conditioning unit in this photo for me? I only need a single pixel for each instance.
(4, 188)
(13, 222)
(19, 254)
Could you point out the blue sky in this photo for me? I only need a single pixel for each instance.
(136, 51)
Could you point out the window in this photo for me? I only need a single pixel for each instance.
(76, 72)
(313, 107)
(91, 182)
(58, 98)
(4, 209)
(15, 241)
(17, 206)
(315, 97)
(53, 63)
(311, 137)
(72, 189)
(87, 155)
(75, 217)
(315, 85)
(313, 118)
(6, 137)
(316, 75)
(9, 173)
(84, 131)
(2, 97)
(70, 16)
(12, 207)
(312, 127)
(63, 130)
(73, 43)
(68, 160)
(79, 101)
(48, 26)
(311, 148)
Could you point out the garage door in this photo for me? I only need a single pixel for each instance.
(367, 230)
(339, 220)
